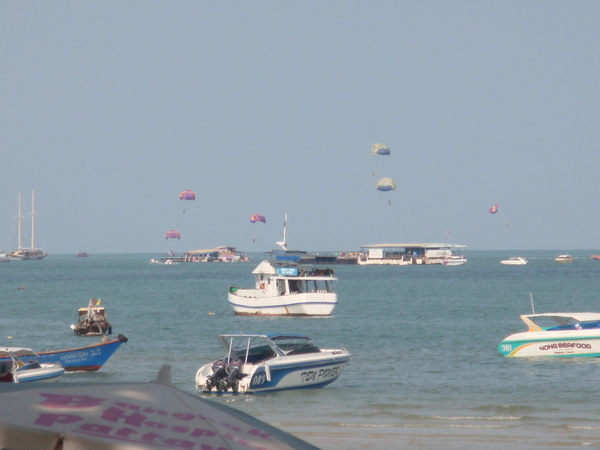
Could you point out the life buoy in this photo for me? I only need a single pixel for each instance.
(262, 285)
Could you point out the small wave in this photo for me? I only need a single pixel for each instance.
(419, 425)
(583, 427)
(508, 409)
(509, 418)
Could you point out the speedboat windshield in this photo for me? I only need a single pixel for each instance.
(295, 345)
(563, 322)
(248, 349)
(252, 349)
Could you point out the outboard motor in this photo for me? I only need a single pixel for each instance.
(234, 374)
(217, 379)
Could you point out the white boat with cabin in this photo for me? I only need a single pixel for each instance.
(563, 334)
(30, 253)
(285, 287)
(514, 261)
(255, 363)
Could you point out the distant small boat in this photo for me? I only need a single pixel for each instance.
(564, 259)
(22, 365)
(4, 257)
(596, 257)
(89, 358)
(455, 260)
(92, 320)
(81, 254)
(514, 261)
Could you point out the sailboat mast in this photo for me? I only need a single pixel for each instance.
(32, 219)
(19, 217)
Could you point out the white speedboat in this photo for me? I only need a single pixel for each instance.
(21, 365)
(455, 260)
(255, 363)
(283, 287)
(555, 334)
(564, 259)
(514, 261)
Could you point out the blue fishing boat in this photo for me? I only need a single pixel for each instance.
(89, 358)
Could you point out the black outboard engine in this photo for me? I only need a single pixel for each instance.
(217, 379)
(234, 374)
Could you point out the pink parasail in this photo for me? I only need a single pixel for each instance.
(172, 234)
(187, 195)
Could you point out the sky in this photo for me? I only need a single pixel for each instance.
(108, 110)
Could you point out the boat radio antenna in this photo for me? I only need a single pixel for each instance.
(532, 307)
(283, 243)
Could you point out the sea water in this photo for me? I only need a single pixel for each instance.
(425, 370)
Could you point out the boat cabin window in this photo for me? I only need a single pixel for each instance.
(297, 286)
(281, 287)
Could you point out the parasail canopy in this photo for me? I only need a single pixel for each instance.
(380, 149)
(172, 234)
(187, 195)
(494, 209)
(257, 218)
(385, 184)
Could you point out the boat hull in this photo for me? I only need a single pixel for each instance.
(283, 375)
(46, 373)
(27, 255)
(252, 303)
(83, 359)
(566, 346)
(455, 262)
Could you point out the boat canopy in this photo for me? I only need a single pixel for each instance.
(561, 321)
(567, 316)
(253, 348)
(417, 245)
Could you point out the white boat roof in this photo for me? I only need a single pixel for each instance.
(265, 268)
(15, 349)
(423, 245)
(579, 316)
(214, 249)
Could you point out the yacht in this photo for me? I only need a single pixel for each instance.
(22, 253)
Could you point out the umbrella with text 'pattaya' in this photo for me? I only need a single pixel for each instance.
(128, 416)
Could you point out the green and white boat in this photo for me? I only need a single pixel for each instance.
(563, 334)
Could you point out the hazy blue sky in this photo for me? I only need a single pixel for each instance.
(109, 109)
